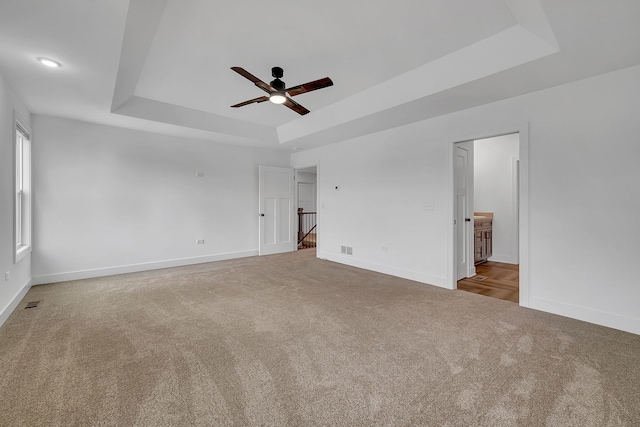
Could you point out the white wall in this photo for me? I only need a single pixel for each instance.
(583, 185)
(12, 290)
(384, 180)
(310, 178)
(111, 200)
(495, 191)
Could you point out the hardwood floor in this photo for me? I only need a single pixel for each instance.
(494, 279)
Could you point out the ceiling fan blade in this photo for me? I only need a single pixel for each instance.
(251, 101)
(290, 103)
(308, 87)
(262, 85)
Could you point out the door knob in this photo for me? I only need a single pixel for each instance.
(261, 214)
(467, 220)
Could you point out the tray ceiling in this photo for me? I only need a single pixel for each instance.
(164, 66)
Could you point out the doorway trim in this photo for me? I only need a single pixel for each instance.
(515, 185)
(523, 235)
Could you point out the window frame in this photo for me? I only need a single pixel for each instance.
(22, 229)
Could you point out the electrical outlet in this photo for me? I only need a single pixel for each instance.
(7, 276)
(200, 241)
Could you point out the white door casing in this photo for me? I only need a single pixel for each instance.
(515, 170)
(276, 216)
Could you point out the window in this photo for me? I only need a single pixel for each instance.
(23, 192)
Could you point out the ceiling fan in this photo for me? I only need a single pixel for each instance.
(277, 92)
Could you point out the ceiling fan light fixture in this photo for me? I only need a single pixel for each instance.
(277, 98)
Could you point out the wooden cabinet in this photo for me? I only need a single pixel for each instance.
(482, 236)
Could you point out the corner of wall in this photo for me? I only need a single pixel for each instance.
(14, 289)
(6, 312)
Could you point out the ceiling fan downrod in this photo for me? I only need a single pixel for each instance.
(277, 84)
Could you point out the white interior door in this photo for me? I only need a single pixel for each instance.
(276, 218)
(463, 221)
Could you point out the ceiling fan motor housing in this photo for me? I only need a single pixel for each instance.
(278, 85)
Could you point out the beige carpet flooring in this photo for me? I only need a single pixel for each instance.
(290, 340)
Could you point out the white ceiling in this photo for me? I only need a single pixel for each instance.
(164, 65)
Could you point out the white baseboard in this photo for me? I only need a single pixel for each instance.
(610, 320)
(473, 271)
(392, 271)
(507, 259)
(133, 268)
(6, 312)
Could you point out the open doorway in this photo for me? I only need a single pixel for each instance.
(487, 182)
(307, 190)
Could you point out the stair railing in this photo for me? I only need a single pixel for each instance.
(306, 226)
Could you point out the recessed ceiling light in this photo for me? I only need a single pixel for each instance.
(49, 62)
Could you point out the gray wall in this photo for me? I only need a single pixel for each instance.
(20, 273)
(111, 200)
(583, 195)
